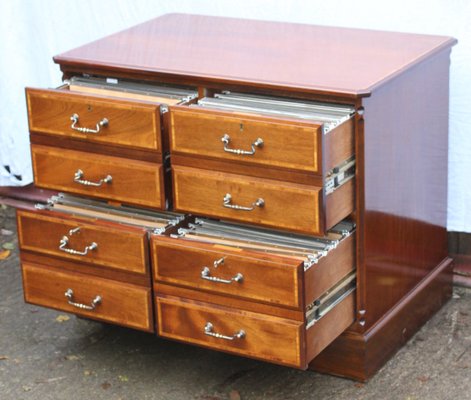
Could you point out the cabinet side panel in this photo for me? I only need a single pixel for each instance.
(405, 187)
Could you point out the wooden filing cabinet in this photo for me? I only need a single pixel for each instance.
(309, 239)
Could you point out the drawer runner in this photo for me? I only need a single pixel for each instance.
(325, 303)
(339, 175)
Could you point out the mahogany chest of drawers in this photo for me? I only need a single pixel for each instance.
(271, 190)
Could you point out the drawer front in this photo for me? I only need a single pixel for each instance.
(122, 248)
(285, 206)
(286, 144)
(130, 124)
(133, 182)
(264, 337)
(120, 303)
(223, 270)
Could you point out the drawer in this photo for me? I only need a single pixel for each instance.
(283, 205)
(84, 240)
(104, 111)
(259, 140)
(106, 177)
(129, 123)
(252, 334)
(97, 298)
(266, 337)
(184, 263)
(252, 268)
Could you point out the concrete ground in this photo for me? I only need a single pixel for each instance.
(46, 354)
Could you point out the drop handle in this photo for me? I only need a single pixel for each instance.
(100, 124)
(206, 274)
(79, 175)
(69, 294)
(226, 140)
(227, 202)
(209, 330)
(64, 242)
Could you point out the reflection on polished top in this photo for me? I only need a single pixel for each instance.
(349, 61)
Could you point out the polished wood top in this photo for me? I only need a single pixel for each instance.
(258, 53)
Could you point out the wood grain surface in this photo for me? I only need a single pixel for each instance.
(276, 55)
(268, 338)
(130, 123)
(286, 144)
(122, 248)
(276, 280)
(122, 303)
(228, 301)
(134, 182)
(287, 206)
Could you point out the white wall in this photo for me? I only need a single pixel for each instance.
(32, 31)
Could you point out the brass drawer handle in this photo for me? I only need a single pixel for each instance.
(226, 139)
(75, 119)
(206, 274)
(79, 175)
(228, 200)
(208, 330)
(65, 241)
(70, 299)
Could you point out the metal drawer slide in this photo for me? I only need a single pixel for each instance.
(325, 303)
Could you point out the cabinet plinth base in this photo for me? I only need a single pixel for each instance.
(359, 356)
